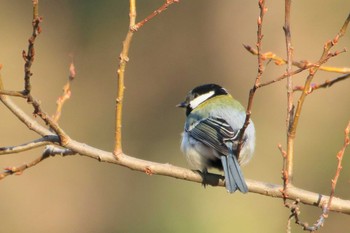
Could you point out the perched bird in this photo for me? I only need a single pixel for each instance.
(210, 138)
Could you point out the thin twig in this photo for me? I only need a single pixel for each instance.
(288, 161)
(326, 55)
(326, 84)
(12, 93)
(30, 54)
(300, 64)
(260, 36)
(29, 58)
(293, 116)
(340, 156)
(154, 14)
(66, 93)
(283, 76)
(64, 138)
(20, 169)
(46, 140)
(294, 207)
(123, 59)
(49, 151)
(295, 213)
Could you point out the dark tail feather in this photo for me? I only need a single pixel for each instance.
(233, 174)
(231, 185)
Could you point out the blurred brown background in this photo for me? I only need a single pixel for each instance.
(193, 42)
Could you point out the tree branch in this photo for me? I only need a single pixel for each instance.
(326, 84)
(71, 147)
(49, 151)
(294, 207)
(259, 37)
(66, 93)
(153, 168)
(288, 159)
(326, 55)
(46, 140)
(300, 64)
(123, 59)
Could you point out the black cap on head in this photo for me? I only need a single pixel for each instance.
(201, 91)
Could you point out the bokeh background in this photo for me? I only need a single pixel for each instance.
(193, 42)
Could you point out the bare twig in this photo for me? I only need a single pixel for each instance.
(340, 156)
(295, 213)
(284, 175)
(293, 116)
(288, 160)
(66, 93)
(283, 76)
(123, 59)
(29, 58)
(300, 64)
(154, 14)
(29, 55)
(327, 83)
(294, 207)
(49, 151)
(64, 138)
(12, 93)
(37, 111)
(326, 55)
(20, 169)
(260, 36)
(46, 140)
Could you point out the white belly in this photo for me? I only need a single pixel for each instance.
(197, 154)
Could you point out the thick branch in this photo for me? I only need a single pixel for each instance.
(151, 168)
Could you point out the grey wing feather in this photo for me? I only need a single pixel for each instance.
(219, 135)
(214, 132)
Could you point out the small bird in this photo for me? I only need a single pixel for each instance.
(210, 138)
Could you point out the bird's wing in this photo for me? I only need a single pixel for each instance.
(219, 135)
(215, 132)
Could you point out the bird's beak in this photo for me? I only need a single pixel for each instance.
(182, 105)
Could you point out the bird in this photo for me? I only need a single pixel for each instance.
(211, 134)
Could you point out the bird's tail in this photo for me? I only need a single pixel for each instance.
(233, 175)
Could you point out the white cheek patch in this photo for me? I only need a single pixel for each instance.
(200, 99)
